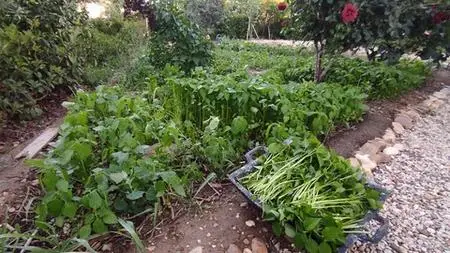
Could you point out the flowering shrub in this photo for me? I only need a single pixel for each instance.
(386, 29)
(440, 17)
(349, 13)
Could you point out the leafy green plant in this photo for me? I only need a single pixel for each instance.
(36, 54)
(177, 41)
(101, 165)
(109, 47)
(129, 150)
(207, 14)
(309, 194)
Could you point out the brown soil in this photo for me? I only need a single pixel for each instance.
(215, 226)
(15, 177)
(381, 113)
(14, 132)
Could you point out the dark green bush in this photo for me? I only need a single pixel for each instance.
(35, 52)
(234, 27)
(381, 80)
(178, 42)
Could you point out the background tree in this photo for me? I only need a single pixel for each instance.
(208, 14)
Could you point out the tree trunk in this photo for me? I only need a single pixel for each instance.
(318, 74)
(249, 28)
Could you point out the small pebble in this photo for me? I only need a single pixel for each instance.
(250, 223)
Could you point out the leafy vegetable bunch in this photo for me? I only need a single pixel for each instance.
(103, 163)
(309, 193)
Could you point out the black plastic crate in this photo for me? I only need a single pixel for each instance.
(351, 238)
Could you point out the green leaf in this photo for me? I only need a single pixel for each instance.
(239, 125)
(99, 227)
(95, 201)
(275, 147)
(66, 156)
(54, 207)
(373, 203)
(120, 204)
(36, 163)
(69, 209)
(333, 234)
(324, 248)
(311, 246)
(129, 227)
(118, 177)
(311, 223)
(300, 240)
(80, 118)
(59, 221)
(82, 150)
(289, 230)
(62, 185)
(109, 218)
(213, 124)
(85, 231)
(135, 195)
(276, 228)
(150, 195)
(171, 178)
(160, 188)
(120, 157)
(41, 211)
(49, 180)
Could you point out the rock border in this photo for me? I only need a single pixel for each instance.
(381, 150)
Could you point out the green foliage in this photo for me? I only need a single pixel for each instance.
(308, 193)
(121, 153)
(36, 54)
(102, 165)
(178, 42)
(282, 65)
(108, 47)
(234, 27)
(381, 80)
(206, 13)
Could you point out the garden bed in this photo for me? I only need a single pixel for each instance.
(184, 128)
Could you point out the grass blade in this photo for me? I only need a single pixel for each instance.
(129, 227)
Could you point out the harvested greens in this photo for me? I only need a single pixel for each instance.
(311, 195)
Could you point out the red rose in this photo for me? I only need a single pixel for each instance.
(349, 13)
(440, 17)
(282, 6)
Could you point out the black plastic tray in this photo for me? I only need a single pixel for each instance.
(351, 238)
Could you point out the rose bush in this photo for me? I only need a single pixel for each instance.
(349, 13)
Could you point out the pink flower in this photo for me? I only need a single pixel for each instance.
(350, 13)
(440, 17)
(282, 6)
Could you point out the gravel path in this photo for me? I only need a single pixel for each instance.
(419, 179)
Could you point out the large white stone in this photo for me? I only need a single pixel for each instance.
(389, 136)
(398, 128)
(366, 164)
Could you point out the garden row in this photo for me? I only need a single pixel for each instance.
(48, 45)
(122, 153)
